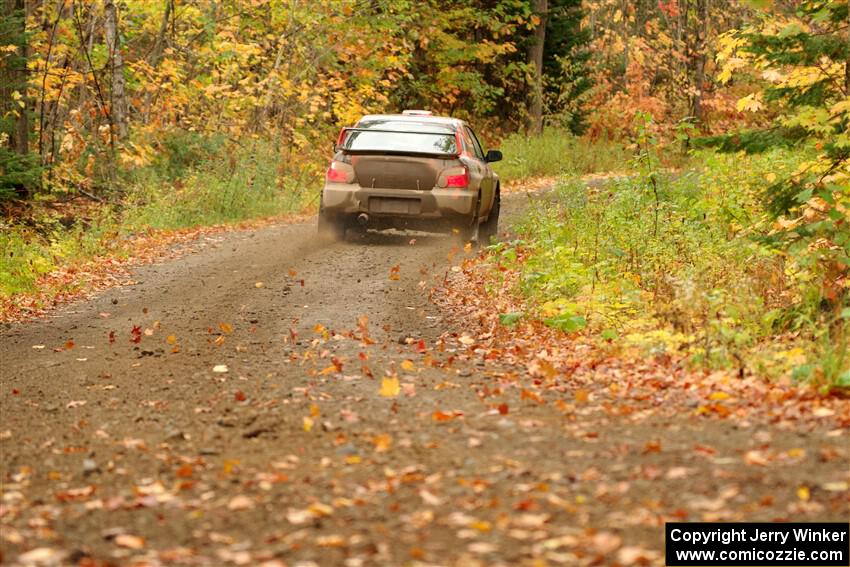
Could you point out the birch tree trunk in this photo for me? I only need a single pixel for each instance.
(118, 95)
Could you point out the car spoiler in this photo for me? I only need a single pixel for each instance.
(345, 131)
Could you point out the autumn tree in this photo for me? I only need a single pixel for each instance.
(802, 52)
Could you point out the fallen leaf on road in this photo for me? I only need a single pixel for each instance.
(756, 458)
(382, 442)
(389, 387)
(42, 556)
(240, 502)
(129, 541)
(75, 494)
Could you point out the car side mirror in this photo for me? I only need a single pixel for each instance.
(493, 155)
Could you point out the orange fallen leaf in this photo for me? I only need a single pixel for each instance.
(184, 471)
(382, 442)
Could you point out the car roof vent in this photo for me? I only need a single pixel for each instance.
(417, 113)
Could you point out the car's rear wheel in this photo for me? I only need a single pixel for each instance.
(471, 232)
(330, 227)
(490, 228)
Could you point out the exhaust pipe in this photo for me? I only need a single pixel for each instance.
(362, 219)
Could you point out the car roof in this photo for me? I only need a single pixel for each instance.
(440, 121)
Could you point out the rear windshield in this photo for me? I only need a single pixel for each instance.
(400, 142)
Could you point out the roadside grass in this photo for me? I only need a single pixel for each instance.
(196, 182)
(556, 153)
(680, 264)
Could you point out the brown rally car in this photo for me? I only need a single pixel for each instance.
(411, 171)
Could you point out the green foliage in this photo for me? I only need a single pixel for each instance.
(556, 152)
(566, 75)
(509, 319)
(700, 278)
(751, 141)
(44, 244)
(23, 258)
(17, 171)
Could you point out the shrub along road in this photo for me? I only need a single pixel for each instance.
(270, 399)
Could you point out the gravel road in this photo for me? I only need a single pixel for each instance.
(230, 407)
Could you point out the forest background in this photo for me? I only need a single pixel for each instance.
(725, 238)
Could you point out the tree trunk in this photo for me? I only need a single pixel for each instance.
(698, 61)
(535, 58)
(118, 95)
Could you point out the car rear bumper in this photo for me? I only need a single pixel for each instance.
(433, 204)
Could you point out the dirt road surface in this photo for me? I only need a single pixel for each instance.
(269, 399)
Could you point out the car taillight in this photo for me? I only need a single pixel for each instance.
(340, 172)
(341, 138)
(454, 177)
